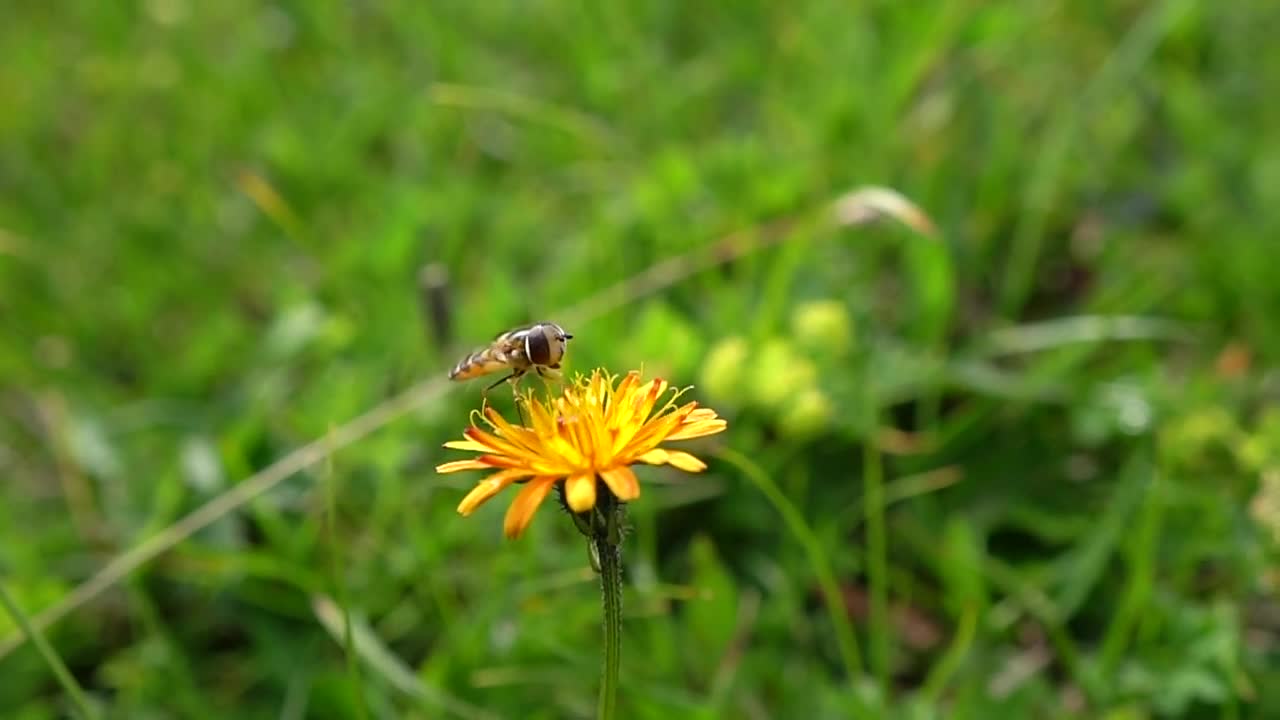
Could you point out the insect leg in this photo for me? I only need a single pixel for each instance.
(514, 377)
(550, 375)
(546, 375)
(484, 394)
(515, 393)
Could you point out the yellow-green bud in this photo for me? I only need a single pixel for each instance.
(823, 327)
(779, 373)
(723, 371)
(807, 414)
(1188, 438)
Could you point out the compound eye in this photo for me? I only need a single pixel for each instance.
(538, 349)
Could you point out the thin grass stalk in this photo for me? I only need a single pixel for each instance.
(50, 656)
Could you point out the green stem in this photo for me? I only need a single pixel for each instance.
(611, 590)
(340, 588)
(877, 565)
(602, 526)
(51, 658)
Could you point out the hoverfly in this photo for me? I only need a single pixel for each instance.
(538, 347)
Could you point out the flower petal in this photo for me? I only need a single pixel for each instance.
(640, 434)
(491, 443)
(622, 481)
(580, 492)
(701, 414)
(655, 431)
(620, 400)
(467, 445)
(656, 456)
(541, 421)
(646, 402)
(458, 465)
(541, 443)
(521, 436)
(502, 461)
(540, 459)
(699, 428)
(685, 461)
(563, 439)
(487, 488)
(675, 458)
(522, 509)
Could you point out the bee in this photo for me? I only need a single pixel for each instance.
(538, 348)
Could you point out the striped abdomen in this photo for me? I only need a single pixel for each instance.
(488, 360)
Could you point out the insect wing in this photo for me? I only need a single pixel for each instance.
(510, 345)
(514, 332)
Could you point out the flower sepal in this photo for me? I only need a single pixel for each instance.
(602, 523)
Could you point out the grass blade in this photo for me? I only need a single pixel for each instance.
(845, 637)
(65, 679)
(369, 648)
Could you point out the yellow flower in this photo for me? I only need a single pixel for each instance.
(597, 428)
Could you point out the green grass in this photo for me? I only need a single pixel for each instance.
(1023, 460)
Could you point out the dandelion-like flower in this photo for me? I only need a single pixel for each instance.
(596, 429)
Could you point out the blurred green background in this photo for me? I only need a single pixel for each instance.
(1035, 458)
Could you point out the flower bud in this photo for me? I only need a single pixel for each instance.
(722, 372)
(807, 414)
(779, 373)
(823, 327)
